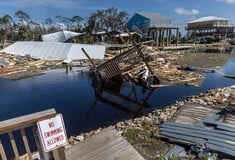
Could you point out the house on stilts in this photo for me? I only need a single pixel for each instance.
(155, 27)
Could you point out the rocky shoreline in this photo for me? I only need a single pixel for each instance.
(140, 131)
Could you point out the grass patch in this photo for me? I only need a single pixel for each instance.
(145, 142)
(204, 60)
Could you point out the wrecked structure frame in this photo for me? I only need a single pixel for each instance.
(115, 68)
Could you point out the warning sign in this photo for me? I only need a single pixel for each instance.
(52, 133)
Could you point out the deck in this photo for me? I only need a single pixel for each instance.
(106, 145)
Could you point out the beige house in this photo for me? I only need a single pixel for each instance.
(210, 26)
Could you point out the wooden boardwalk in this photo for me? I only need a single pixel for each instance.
(106, 145)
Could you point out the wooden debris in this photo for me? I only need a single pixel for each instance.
(22, 66)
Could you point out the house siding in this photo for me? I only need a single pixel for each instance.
(139, 21)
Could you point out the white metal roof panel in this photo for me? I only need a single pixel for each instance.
(43, 50)
(208, 18)
(126, 34)
(94, 51)
(55, 50)
(54, 37)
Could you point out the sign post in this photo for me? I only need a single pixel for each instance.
(52, 133)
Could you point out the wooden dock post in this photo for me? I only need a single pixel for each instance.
(59, 154)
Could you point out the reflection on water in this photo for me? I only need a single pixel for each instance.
(229, 68)
(123, 98)
(85, 106)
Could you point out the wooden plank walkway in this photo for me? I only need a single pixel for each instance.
(106, 145)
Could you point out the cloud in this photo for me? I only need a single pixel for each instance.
(183, 11)
(227, 1)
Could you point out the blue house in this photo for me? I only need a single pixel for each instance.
(154, 26)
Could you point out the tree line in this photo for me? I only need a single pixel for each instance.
(24, 28)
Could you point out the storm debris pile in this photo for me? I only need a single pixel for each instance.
(172, 74)
(17, 67)
(153, 63)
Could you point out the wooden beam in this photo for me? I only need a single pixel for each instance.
(89, 58)
(37, 141)
(59, 154)
(25, 121)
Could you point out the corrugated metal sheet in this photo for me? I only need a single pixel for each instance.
(60, 36)
(55, 50)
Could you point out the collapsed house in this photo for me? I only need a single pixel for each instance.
(26, 59)
(54, 50)
(120, 67)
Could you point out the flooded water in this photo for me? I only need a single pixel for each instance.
(74, 96)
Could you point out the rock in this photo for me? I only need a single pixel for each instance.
(89, 134)
(120, 125)
(67, 146)
(157, 121)
(80, 138)
(75, 142)
(163, 117)
(226, 94)
(98, 130)
(148, 119)
(232, 96)
(210, 103)
(219, 100)
(71, 139)
(174, 108)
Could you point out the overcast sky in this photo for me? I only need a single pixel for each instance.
(180, 10)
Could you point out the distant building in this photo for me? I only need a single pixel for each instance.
(154, 27)
(210, 26)
(100, 36)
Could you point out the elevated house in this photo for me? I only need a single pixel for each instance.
(210, 26)
(155, 27)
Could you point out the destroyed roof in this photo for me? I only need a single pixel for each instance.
(60, 36)
(155, 17)
(55, 50)
(208, 18)
(99, 33)
(127, 35)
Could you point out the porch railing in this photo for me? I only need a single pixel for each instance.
(19, 124)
